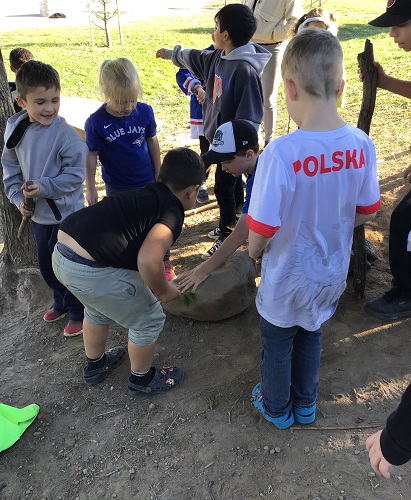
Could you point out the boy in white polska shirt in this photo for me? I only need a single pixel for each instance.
(311, 188)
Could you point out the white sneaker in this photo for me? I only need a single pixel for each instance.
(215, 233)
(217, 244)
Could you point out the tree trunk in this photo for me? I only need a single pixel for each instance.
(20, 252)
(369, 77)
(106, 20)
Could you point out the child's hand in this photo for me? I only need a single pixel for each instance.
(407, 173)
(378, 462)
(193, 279)
(91, 196)
(382, 76)
(169, 294)
(161, 53)
(31, 191)
(24, 211)
(200, 94)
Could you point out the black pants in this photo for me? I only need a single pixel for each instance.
(229, 192)
(46, 238)
(400, 259)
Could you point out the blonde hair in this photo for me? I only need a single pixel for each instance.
(118, 80)
(318, 14)
(314, 58)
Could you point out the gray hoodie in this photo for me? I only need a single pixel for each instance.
(233, 85)
(54, 157)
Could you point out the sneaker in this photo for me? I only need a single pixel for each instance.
(215, 233)
(114, 357)
(217, 244)
(392, 305)
(73, 328)
(202, 196)
(53, 315)
(165, 379)
(169, 269)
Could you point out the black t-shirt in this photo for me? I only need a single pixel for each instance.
(113, 230)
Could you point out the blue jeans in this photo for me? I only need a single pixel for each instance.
(63, 300)
(289, 365)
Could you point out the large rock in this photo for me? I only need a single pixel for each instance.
(226, 292)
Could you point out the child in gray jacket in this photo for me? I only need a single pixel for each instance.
(41, 147)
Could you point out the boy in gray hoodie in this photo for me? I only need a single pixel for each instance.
(233, 91)
(41, 147)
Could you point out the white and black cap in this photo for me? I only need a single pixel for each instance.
(229, 139)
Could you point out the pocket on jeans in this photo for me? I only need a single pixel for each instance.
(126, 288)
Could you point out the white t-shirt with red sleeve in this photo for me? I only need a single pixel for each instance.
(307, 190)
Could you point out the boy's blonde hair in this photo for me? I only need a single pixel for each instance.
(118, 80)
(314, 58)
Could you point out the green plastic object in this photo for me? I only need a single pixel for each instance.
(14, 421)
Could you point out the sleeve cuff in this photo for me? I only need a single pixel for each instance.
(261, 228)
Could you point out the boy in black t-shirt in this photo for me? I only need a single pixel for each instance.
(110, 255)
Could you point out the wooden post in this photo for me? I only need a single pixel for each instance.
(369, 77)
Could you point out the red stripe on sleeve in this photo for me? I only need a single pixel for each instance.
(260, 228)
(369, 210)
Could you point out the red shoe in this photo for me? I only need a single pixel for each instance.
(169, 269)
(73, 328)
(53, 315)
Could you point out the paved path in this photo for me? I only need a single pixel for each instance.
(23, 14)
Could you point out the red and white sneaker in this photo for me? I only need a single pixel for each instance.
(73, 328)
(169, 269)
(53, 315)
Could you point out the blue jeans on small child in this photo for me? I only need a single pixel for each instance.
(290, 359)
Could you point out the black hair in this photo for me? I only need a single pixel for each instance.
(19, 56)
(181, 168)
(34, 74)
(239, 22)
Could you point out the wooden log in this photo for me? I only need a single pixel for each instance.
(198, 210)
(369, 78)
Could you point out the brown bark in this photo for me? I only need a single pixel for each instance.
(20, 252)
(369, 78)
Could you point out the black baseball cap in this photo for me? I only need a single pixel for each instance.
(229, 139)
(398, 12)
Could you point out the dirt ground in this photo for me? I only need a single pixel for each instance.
(203, 441)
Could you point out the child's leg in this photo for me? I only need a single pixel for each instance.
(224, 190)
(46, 239)
(305, 365)
(95, 338)
(400, 258)
(275, 366)
(141, 357)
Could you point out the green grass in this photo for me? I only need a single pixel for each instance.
(70, 52)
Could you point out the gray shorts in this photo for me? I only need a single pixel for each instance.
(112, 295)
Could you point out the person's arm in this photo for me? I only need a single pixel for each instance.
(256, 244)
(292, 12)
(394, 85)
(192, 59)
(363, 218)
(154, 151)
(91, 166)
(150, 262)
(237, 238)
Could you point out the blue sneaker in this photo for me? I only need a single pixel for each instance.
(283, 422)
(304, 415)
